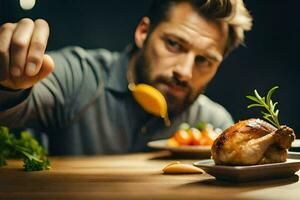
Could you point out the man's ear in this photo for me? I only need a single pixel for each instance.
(141, 32)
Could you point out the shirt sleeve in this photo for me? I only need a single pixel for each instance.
(54, 101)
(9, 98)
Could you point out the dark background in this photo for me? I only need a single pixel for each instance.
(270, 57)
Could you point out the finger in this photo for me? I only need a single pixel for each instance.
(25, 82)
(46, 68)
(37, 47)
(19, 46)
(6, 32)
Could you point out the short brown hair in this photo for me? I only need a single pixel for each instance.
(232, 12)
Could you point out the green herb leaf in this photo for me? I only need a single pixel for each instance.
(201, 126)
(253, 99)
(267, 103)
(26, 147)
(255, 105)
(271, 91)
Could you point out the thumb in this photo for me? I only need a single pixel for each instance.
(47, 67)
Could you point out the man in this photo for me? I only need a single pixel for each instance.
(84, 104)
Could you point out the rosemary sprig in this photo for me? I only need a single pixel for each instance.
(267, 103)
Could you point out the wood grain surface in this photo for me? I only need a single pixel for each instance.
(133, 176)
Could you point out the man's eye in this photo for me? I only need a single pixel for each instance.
(172, 45)
(200, 59)
(203, 64)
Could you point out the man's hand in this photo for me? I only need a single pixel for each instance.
(22, 53)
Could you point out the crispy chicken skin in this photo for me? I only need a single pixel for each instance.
(252, 142)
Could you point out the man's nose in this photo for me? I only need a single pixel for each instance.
(184, 69)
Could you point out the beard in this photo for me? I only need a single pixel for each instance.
(176, 105)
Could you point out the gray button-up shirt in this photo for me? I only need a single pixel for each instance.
(85, 107)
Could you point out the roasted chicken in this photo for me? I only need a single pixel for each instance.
(252, 142)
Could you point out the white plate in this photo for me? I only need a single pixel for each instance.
(296, 143)
(195, 150)
(184, 149)
(253, 172)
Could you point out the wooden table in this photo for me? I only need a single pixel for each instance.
(135, 176)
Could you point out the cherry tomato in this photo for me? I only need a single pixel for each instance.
(206, 141)
(196, 136)
(172, 142)
(183, 137)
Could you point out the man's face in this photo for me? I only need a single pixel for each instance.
(181, 56)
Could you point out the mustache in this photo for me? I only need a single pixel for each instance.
(174, 81)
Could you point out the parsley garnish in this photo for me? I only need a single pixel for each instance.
(26, 147)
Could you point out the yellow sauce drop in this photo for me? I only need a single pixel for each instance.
(151, 100)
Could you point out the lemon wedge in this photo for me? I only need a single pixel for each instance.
(151, 100)
(179, 168)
